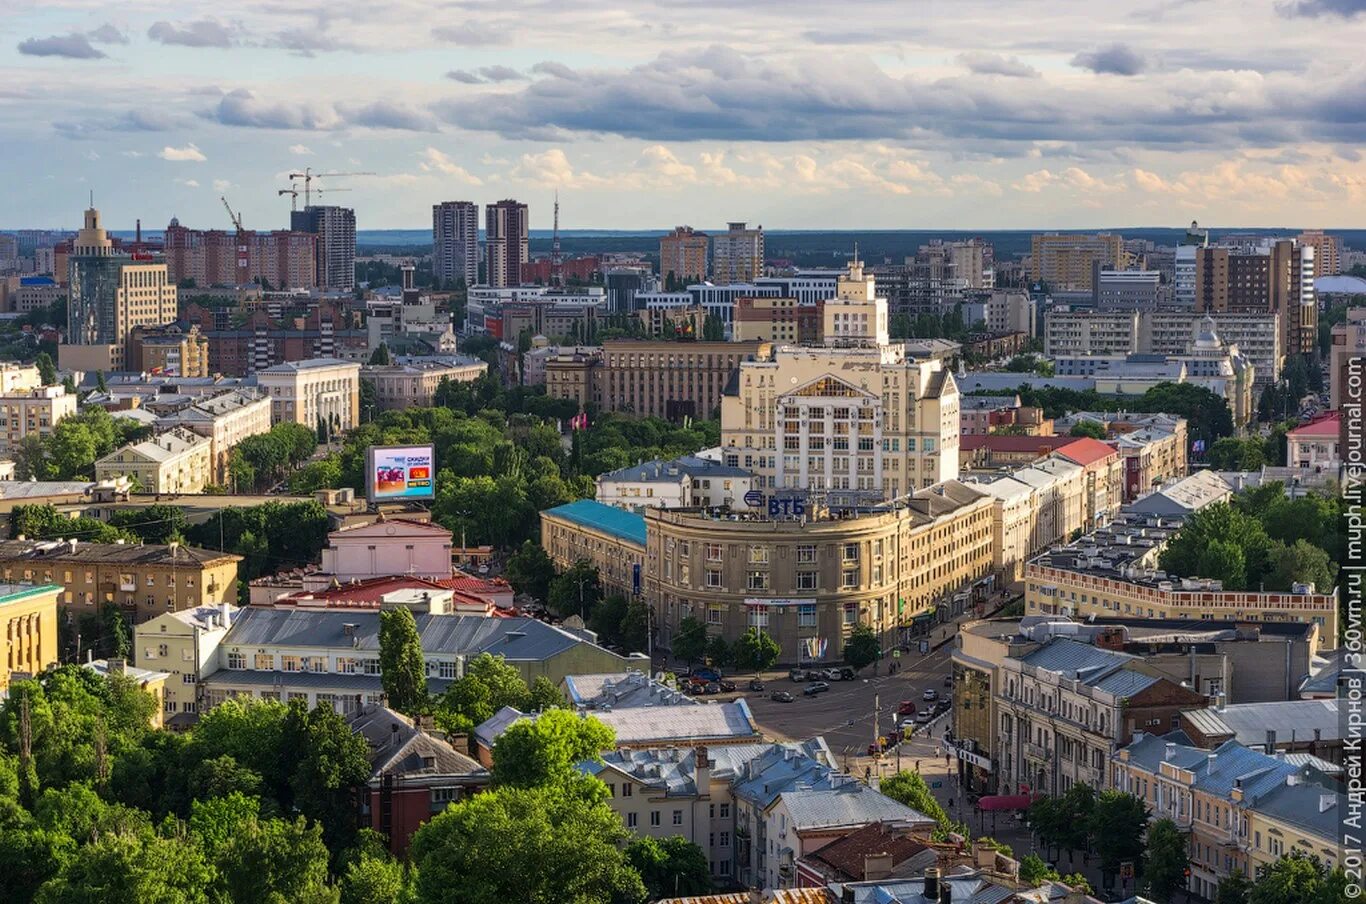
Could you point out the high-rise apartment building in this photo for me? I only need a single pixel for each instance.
(971, 261)
(110, 294)
(1348, 352)
(1067, 261)
(1274, 278)
(737, 255)
(683, 255)
(455, 241)
(286, 259)
(505, 234)
(335, 228)
(1327, 251)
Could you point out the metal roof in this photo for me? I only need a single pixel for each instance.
(1249, 723)
(660, 471)
(681, 722)
(619, 523)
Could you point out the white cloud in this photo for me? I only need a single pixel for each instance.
(188, 183)
(221, 185)
(188, 154)
(434, 161)
(300, 150)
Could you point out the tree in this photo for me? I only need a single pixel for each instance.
(331, 762)
(1240, 535)
(1035, 871)
(488, 685)
(544, 695)
(576, 591)
(713, 329)
(530, 570)
(1300, 563)
(1078, 882)
(1235, 888)
(1223, 562)
(1075, 810)
(403, 671)
(1298, 878)
(910, 789)
(380, 356)
(372, 878)
(1117, 826)
(690, 640)
(671, 866)
(862, 648)
(47, 370)
(545, 750)
(756, 651)
(132, 866)
(531, 845)
(719, 652)
(1088, 428)
(261, 859)
(1233, 454)
(1165, 868)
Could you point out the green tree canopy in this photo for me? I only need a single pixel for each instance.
(488, 685)
(1298, 878)
(1092, 429)
(1117, 826)
(910, 789)
(690, 640)
(755, 651)
(544, 751)
(1034, 871)
(530, 571)
(863, 647)
(1165, 867)
(670, 866)
(403, 671)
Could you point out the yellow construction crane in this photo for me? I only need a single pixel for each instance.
(308, 176)
(293, 193)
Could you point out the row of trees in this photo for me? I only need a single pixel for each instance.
(260, 461)
(1263, 540)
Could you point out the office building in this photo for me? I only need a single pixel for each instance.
(284, 259)
(32, 412)
(1011, 312)
(737, 255)
(1277, 278)
(783, 321)
(683, 256)
(322, 391)
(623, 284)
(24, 294)
(610, 538)
(505, 236)
(326, 330)
(1127, 290)
(1068, 261)
(455, 242)
(1113, 573)
(176, 461)
(109, 294)
(414, 381)
(335, 253)
(1347, 359)
(28, 629)
(1327, 251)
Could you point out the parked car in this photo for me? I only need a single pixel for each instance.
(798, 674)
(906, 708)
(930, 695)
(755, 684)
(924, 716)
(908, 727)
(713, 687)
(727, 686)
(781, 697)
(815, 688)
(705, 673)
(829, 674)
(847, 673)
(948, 681)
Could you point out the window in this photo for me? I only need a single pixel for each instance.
(713, 552)
(850, 613)
(264, 662)
(290, 664)
(188, 678)
(758, 580)
(713, 577)
(237, 660)
(725, 811)
(630, 820)
(627, 789)
(713, 615)
(806, 555)
(446, 670)
(678, 817)
(370, 666)
(654, 817)
(758, 555)
(850, 552)
(758, 617)
(725, 839)
(806, 580)
(806, 618)
(849, 578)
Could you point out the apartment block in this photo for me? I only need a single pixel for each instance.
(778, 320)
(737, 255)
(144, 581)
(335, 251)
(609, 538)
(32, 412)
(1348, 352)
(226, 419)
(505, 236)
(455, 242)
(683, 255)
(1327, 251)
(319, 391)
(169, 350)
(28, 630)
(182, 644)
(176, 461)
(286, 259)
(1068, 261)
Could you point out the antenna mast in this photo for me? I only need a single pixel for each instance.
(556, 258)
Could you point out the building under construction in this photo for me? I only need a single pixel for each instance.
(285, 259)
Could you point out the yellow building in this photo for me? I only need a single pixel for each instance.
(154, 683)
(30, 412)
(683, 253)
(325, 390)
(144, 580)
(29, 618)
(177, 461)
(1113, 573)
(1068, 261)
(611, 539)
(182, 645)
(169, 351)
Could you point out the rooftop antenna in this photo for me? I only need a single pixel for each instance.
(556, 258)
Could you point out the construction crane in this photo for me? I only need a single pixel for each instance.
(242, 262)
(235, 217)
(293, 193)
(308, 176)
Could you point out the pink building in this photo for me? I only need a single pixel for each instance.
(386, 547)
(1316, 445)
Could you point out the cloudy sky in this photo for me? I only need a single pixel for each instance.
(643, 113)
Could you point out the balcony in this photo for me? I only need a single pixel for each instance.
(1035, 752)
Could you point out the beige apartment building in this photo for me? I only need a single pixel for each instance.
(32, 412)
(183, 644)
(669, 380)
(28, 629)
(169, 351)
(683, 253)
(144, 580)
(1327, 251)
(1114, 573)
(177, 461)
(17, 377)
(783, 321)
(809, 581)
(610, 539)
(1068, 261)
(226, 420)
(737, 255)
(406, 385)
(320, 390)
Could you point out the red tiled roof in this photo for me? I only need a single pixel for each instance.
(1087, 451)
(1324, 425)
(367, 590)
(471, 584)
(846, 855)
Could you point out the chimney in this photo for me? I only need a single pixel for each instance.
(393, 734)
(877, 866)
(224, 614)
(931, 892)
(1170, 752)
(945, 893)
(1209, 763)
(1270, 740)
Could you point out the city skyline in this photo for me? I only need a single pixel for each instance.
(978, 116)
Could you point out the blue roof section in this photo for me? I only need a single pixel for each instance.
(619, 523)
(37, 281)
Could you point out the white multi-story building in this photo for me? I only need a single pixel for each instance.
(859, 421)
(682, 483)
(177, 461)
(32, 412)
(320, 390)
(226, 419)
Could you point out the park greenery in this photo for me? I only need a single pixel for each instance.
(261, 461)
(256, 804)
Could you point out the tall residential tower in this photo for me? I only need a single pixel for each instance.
(505, 234)
(335, 254)
(455, 241)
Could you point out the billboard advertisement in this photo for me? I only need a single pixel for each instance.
(397, 473)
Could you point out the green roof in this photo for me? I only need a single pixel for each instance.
(619, 523)
(13, 593)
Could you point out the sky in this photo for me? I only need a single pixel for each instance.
(796, 114)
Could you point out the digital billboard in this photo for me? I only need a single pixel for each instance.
(400, 472)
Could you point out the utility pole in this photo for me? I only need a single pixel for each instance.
(877, 735)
